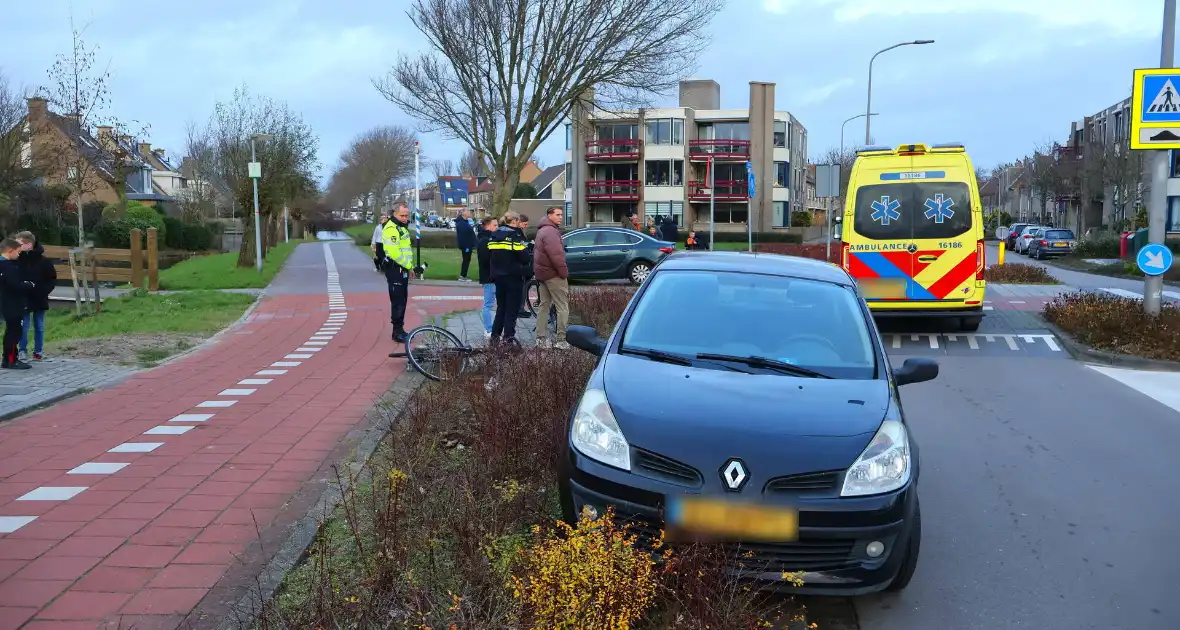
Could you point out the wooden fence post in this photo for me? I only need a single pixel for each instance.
(153, 262)
(136, 259)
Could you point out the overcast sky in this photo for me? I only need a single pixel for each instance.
(1003, 76)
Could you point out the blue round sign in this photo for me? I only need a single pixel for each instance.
(1154, 259)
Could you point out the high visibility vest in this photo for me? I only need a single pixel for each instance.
(395, 240)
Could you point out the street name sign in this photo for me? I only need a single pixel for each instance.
(1155, 109)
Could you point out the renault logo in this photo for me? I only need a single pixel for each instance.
(734, 475)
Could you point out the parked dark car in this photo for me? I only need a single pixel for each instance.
(748, 398)
(604, 253)
(1014, 231)
(1051, 242)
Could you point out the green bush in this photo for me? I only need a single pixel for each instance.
(193, 237)
(1016, 273)
(1118, 325)
(800, 218)
(1104, 245)
(116, 233)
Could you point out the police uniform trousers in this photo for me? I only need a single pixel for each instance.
(398, 280)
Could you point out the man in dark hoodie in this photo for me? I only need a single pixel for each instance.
(487, 227)
(465, 238)
(40, 271)
(13, 291)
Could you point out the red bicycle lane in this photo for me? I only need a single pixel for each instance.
(127, 506)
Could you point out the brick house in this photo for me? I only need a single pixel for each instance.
(54, 144)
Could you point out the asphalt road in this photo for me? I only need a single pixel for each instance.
(1048, 497)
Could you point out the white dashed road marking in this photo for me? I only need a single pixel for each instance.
(192, 417)
(97, 468)
(165, 429)
(136, 447)
(217, 403)
(52, 493)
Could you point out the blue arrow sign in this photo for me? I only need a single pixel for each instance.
(1154, 259)
(750, 179)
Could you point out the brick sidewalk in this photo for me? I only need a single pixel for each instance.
(127, 506)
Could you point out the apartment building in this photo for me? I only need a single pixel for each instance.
(656, 161)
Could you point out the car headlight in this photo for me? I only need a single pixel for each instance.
(596, 434)
(884, 465)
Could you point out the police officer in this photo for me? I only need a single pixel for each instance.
(509, 256)
(399, 263)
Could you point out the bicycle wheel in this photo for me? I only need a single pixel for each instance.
(436, 352)
(532, 296)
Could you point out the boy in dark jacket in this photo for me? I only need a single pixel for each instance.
(13, 291)
(40, 271)
(488, 226)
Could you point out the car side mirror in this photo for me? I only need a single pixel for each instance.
(916, 370)
(585, 338)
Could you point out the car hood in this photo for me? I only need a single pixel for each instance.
(779, 425)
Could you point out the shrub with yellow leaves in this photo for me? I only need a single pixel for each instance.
(593, 577)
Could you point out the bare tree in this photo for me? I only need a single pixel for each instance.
(80, 91)
(473, 164)
(288, 159)
(373, 162)
(15, 171)
(501, 76)
(442, 168)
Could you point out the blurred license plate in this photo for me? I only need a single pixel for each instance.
(875, 289)
(731, 520)
(1060, 244)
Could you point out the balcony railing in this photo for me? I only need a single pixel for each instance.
(626, 149)
(723, 190)
(725, 150)
(612, 190)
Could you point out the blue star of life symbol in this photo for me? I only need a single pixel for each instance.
(885, 210)
(939, 208)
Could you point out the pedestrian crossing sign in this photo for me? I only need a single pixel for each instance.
(1155, 107)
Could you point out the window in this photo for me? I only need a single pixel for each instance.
(782, 175)
(658, 209)
(664, 173)
(912, 210)
(726, 212)
(665, 131)
(616, 239)
(780, 133)
(582, 238)
(569, 214)
(618, 132)
(782, 218)
(754, 315)
(568, 177)
(1173, 218)
(72, 172)
(616, 172)
(1061, 235)
(1173, 163)
(724, 131)
(569, 135)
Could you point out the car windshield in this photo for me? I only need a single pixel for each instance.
(813, 325)
(1059, 234)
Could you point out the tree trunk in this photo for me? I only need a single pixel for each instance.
(502, 193)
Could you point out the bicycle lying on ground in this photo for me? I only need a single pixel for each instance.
(436, 352)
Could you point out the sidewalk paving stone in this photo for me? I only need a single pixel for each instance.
(52, 380)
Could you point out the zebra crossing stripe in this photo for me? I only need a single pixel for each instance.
(1139, 296)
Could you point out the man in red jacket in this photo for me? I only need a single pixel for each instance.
(550, 270)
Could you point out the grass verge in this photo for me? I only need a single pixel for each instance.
(141, 328)
(221, 271)
(1118, 325)
(441, 264)
(455, 522)
(1017, 273)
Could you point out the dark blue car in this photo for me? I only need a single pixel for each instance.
(611, 253)
(747, 399)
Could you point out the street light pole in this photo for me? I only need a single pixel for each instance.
(869, 103)
(842, 130)
(1157, 211)
(257, 224)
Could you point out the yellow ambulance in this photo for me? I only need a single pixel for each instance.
(912, 232)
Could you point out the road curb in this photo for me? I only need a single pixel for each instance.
(1087, 354)
(384, 412)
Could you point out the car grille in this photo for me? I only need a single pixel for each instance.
(805, 555)
(665, 469)
(805, 482)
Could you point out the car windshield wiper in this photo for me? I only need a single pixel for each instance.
(763, 362)
(657, 355)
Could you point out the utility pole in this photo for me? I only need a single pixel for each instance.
(417, 202)
(712, 180)
(1157, 210)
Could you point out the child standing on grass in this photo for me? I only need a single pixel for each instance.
(13, 291)
(40, 271)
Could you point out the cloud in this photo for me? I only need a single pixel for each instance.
(1127, 19)
(819, 94)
